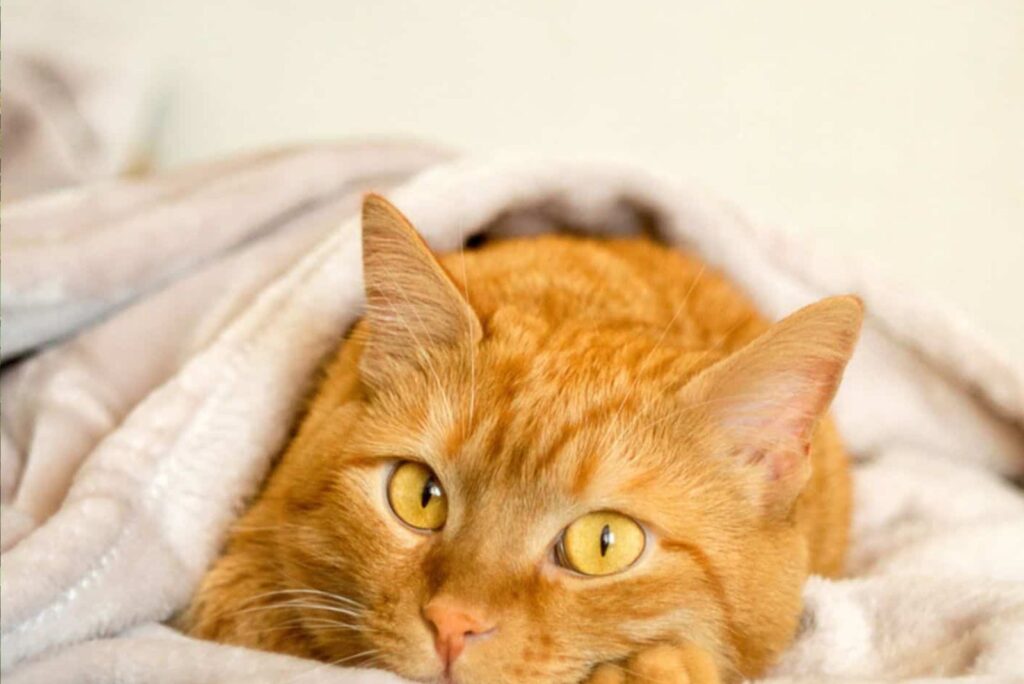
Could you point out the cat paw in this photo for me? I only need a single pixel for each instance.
(660, 665)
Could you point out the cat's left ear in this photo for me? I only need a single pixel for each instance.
(765, 400)
(413, 306)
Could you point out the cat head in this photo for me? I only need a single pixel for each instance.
(495, 500)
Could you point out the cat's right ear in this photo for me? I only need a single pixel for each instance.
(412, 305)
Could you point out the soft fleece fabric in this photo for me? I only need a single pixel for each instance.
(130, 447)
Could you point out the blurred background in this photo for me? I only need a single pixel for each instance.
(893, 130)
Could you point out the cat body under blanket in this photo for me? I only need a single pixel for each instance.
(552, 459)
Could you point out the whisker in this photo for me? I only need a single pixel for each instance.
(268, 528)
(633, 429)
(315, 592)
(647, 357)
(310, 625)
(421, 349)
(469, 345)
(298, 604)
(732, 330)
(334, 663)
(700, 404)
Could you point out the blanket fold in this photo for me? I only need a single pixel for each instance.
(213, 294)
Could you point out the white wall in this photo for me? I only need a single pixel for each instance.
(894, 128)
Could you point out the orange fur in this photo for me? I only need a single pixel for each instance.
(542, 379)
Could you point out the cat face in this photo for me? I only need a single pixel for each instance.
(512, 501)
(496, 521)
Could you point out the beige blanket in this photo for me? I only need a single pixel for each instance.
(185, 315)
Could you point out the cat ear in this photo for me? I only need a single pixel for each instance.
(412, 303)
(767, 398)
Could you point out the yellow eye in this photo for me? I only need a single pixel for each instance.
(416, 496)
(601, 543)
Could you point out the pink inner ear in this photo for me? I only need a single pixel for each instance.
(781, 463)
(784, 470)
(767, 398)
(770, 420)
(778, 409)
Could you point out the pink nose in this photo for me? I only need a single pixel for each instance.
(453, 624)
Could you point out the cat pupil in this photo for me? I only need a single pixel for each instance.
(430, 490)
(607, 539)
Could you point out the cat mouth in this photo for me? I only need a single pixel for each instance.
(445, 677)
(448, 676)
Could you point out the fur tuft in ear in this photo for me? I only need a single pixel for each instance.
(766, 399)
(412, 305)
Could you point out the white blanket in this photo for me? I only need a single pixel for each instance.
(129, 448)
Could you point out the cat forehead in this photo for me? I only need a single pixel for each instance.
(584, 413)
(588, 446)
(516, 452)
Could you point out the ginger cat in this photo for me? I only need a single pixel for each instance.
(551, 459)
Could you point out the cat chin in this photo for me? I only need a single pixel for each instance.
(461, 676)
(442, 678)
